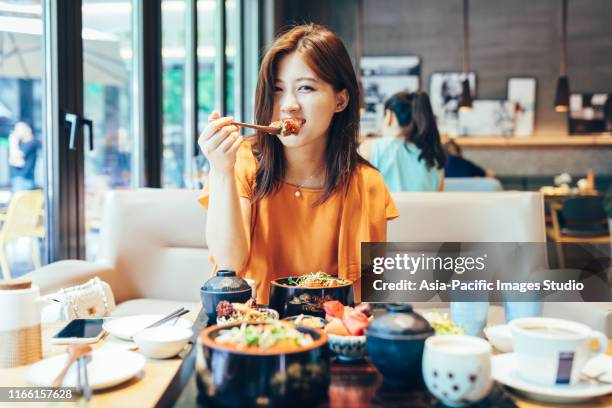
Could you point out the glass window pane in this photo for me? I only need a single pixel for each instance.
(22, 142)
(173, 58)
(107, 69)
(231, 27)
(207, 22)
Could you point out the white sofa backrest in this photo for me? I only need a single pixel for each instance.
(472, 184)
(155, 240)
(510, 216)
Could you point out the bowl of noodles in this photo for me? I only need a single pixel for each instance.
(306, 294)
(273, 363)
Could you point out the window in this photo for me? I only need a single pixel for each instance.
(107, 56)
(173, 57)
(22, 142)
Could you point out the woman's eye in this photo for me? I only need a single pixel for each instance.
(305, 88)
(277, 89)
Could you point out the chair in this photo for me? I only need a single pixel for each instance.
(509, 216)
(580, 219)
(152, 251)
(23, 218)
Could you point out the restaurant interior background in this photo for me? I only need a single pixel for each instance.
(148, 89)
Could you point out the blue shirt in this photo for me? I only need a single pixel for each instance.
(399, 164)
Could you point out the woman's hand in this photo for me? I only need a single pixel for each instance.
(219, 142)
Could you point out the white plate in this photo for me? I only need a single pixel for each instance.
(125, 327)
(107, 368)
(504, 370)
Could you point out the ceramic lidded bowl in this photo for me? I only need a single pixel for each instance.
(399, 332)
(291, 300)
(225, 285)
(228, 377)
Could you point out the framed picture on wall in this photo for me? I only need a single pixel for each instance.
(590, 113)
(521, 92)
(381, 77)
(488, 117)
(444, 93)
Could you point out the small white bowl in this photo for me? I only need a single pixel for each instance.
(162, 341)
(500, 337)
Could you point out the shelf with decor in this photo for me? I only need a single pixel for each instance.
(527, 142)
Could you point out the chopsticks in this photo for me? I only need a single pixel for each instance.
(273, 130)
(75, 352)
(174, 315)
(81, 354)
(83, 379)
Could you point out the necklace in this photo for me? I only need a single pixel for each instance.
(298, 192)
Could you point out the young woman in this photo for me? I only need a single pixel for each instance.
(289, 205)
(410, 155)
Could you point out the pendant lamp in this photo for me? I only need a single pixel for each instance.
(465, 102)
(562, 93)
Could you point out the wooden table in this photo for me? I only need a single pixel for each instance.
(144, 391)
(172, 383)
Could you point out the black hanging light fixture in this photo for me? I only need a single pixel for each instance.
(465, 102)
(562, 92)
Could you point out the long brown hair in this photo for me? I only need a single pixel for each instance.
(415, 116)
(327, 56)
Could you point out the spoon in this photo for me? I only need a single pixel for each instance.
(75, 352)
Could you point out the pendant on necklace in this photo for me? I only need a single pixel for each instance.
(298, 193)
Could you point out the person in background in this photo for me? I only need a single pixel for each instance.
(409, 156)
(23, 153)
(458, 166)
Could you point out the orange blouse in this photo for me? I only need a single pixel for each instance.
(290, 237)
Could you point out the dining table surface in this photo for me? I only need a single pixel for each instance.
(171, 382)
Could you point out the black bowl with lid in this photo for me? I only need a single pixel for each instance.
(225, 285)
(395, 341)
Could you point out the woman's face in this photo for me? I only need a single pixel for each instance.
(301, 95)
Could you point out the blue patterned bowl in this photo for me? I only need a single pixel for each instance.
(347, 348)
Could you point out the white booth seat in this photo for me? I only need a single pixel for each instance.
(153, 250)
(472, 184)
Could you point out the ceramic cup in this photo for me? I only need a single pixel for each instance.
(457, 369)
(517, 310)
(470, 316)
(20, 335)
(553, 351)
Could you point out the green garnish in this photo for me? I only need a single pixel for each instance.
(442, 324)
(315, 279)
(262, 335)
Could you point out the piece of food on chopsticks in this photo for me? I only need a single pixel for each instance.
(287, 126)
(346, 320)
(274, 336)
(317, 280)
(234, 312)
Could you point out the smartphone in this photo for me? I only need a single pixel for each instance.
(80, 331)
